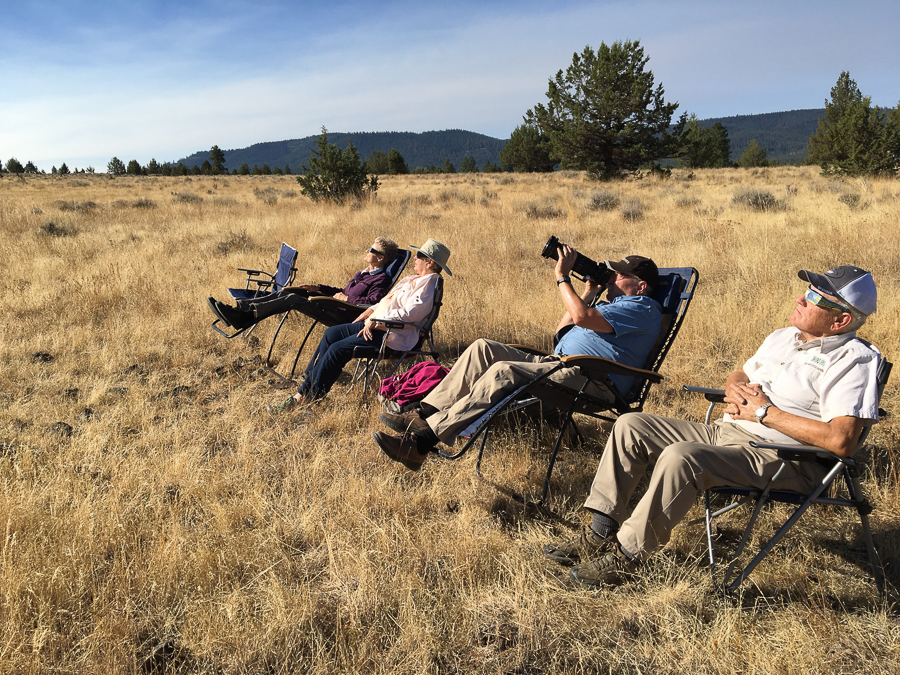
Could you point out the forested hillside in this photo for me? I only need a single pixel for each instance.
(783, 134)
(418, 149)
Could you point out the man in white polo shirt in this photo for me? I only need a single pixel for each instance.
(812, 383)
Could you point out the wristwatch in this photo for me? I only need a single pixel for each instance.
(563, 280)
(762, 411)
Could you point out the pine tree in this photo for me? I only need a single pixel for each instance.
(378, 163)
(604, 115)
(115, 167)
(396, 163)
(333, 176)
(701, 147)
(854, 138)
(468, 165)
(14, 166)
(525, 150)
(754, 156)
(217, 161)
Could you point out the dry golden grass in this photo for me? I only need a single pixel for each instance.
(153, 517)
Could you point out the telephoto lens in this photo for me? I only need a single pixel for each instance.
(583, 268)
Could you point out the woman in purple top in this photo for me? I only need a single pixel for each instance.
(366, 287)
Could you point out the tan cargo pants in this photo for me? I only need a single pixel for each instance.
(690, 457)
(485, 373)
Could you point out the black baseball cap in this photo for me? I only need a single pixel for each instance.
(639, 266)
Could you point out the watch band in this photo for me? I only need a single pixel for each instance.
(765, 409)
(563, 280)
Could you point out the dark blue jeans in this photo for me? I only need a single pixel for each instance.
(333, 353)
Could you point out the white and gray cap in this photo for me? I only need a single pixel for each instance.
(851, 284)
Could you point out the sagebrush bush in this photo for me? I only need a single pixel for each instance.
(541, 210)
(51, 229)
(603, 200)
(186, 198)
(758, 200)
(633, 210)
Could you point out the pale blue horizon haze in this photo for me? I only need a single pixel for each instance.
(84, 81)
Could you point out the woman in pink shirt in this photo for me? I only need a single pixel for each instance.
(410, 301)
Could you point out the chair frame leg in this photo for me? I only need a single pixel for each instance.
(269, 365)
(851, 478)
(484, 428)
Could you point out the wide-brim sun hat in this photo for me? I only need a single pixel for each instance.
(437, 252)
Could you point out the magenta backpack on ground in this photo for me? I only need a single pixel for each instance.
(408, 388)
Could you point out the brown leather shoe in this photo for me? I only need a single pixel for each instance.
(403, 449)
(613, 569)
(578, 549)
(403, 422)
(409, 423)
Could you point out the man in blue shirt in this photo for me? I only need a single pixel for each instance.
(624, 330)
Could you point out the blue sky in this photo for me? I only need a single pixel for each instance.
(83, 81)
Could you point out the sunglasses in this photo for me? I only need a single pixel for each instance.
(816, 299)
(376, 252)
(422, 256)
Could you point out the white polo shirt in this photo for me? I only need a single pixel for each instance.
(821, 379)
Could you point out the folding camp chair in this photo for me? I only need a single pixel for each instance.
(332, 312)
(837, 466)
(674, 293)
(284, 275)
(424, 347)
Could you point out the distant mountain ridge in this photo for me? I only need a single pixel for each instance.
(418, 149)
(783, 134)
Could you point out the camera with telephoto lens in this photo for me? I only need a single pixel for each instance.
(583, 268)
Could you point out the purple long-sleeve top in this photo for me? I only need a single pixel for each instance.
(365, 288)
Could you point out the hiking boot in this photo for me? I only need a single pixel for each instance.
(403, 449)
(613, 569)
(406, 422)
(582, 547)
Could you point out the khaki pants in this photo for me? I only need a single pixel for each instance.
(690, 457)
(485, 373)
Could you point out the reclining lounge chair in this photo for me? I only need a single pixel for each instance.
(674, 293)
(838, 467)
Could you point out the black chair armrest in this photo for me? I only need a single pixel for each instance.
(391, 323)
(802, 453)
(711, 395)
(254, 273)
(327, 300)
(595, 367)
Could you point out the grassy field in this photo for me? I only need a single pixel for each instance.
(154, 517)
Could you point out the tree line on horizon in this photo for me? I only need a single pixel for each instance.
(605, 115)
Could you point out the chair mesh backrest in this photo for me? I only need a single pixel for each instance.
(673, 293)
(427, 330)
(883, 374)
(285, 270)
(397, 265)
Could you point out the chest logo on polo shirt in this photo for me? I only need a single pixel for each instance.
(817, 362)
